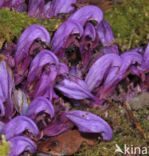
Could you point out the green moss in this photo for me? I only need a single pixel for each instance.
(13, 23)
(130, 21)
(4, 147)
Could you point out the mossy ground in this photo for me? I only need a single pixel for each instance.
(129, 21)
(123, 131)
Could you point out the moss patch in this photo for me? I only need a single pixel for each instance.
(13, 23)
(130, 21)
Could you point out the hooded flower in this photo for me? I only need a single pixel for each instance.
(38, 105)
(61, 6)
(23, 56)
(74, 88)
(61, 36)
(87, 13)
(6, 87)
(100, 69)
(105, 33)
(18, 125)
(129, 59)
(90, 123)
(20, 144)
(35, 8)
(89, 42)
(42, 74)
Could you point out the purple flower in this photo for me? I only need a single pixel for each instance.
(36, 8)
(23, 56)
(74, 88)
(18, 125)
(87, 13)
(38, 105)
(105, 33)
(100, 69)
(20, 144)
(6, 87)
(61, 6)
(90, 123)
(116, 74)
(61, 36)
(42, 74)
(129, 58)
(30, 34)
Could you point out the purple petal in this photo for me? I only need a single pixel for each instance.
(1, 3)
(74, 88)
(66, 29)
(62, 6)
(17, 5)
(90, 123)
(100, 69)
(18, 125)
(2, 125)
(110, 49)
(129, 58)
(105, 33)
(109, 84)
(87, 13)
(6, 81)
(32, 33)
(48, 10)
(90, 31)
(43, 71)
(35, 8)
(41, 59)
(75, 71)
(145, 62)
(2, 109)
(40, 104)
(20, 144)
(6, 87)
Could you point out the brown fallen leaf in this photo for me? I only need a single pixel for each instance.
(67, 143)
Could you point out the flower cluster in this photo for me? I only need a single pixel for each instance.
(43, 76)
(40, 8)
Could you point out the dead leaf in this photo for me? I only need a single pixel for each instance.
(67, 143)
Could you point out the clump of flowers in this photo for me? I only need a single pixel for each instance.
(79, 65)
